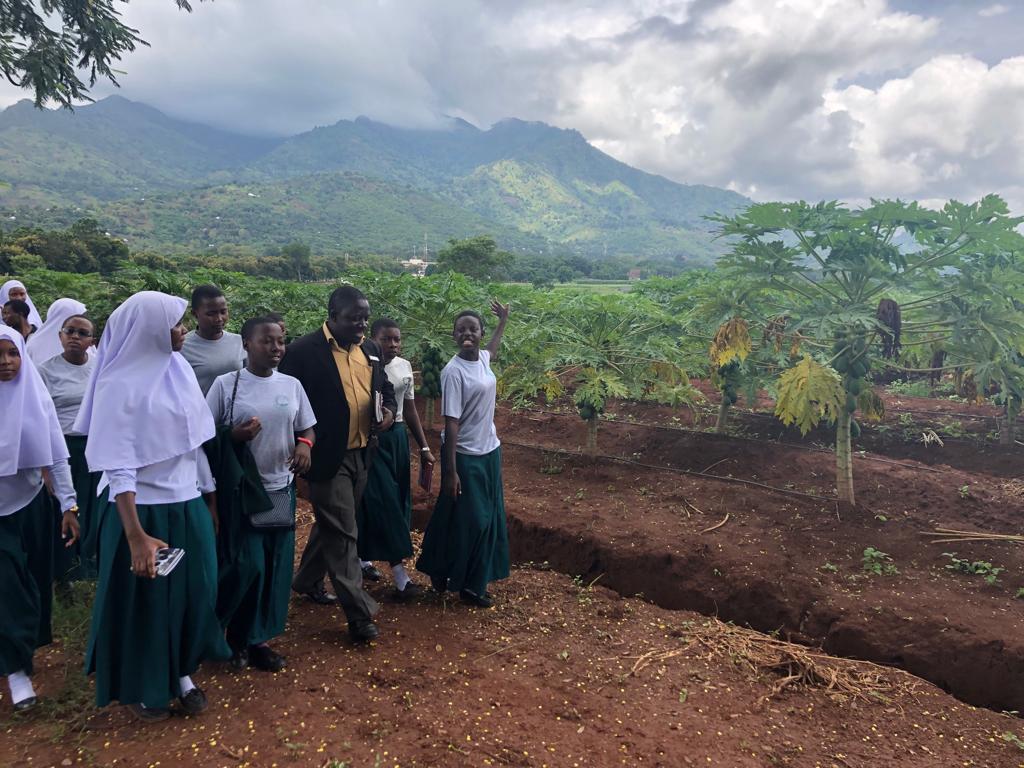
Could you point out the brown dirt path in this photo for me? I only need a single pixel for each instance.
(546, 679)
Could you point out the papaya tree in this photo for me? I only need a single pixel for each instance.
(425, 309)
(831, 265)
(729, 349)
(986, 343)
(601, 347)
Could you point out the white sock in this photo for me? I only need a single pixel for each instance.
(21, 686)
(186, 684)
(364, 563)
(401, 577)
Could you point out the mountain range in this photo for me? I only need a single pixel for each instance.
(357, 186)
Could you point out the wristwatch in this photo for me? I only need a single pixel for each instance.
(73, 509)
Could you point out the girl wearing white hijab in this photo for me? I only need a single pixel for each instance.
(45, 342)
(19, 290)
(147, 420)
(66, 376)
(30, 441)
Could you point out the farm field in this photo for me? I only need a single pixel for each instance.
(573, 668)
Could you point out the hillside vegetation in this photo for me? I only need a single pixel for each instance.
(356, 186)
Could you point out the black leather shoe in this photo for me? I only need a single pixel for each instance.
(412, 591)
(26, 704)
(362, 631)
(439, 585)
(371, 573)
(239, 660)
(264, 657)
(194, 702)
(472, 598)
(319, 595)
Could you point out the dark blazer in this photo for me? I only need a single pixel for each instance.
(310, 360)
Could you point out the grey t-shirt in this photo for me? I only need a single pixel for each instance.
(467, 394)
(66, 384)
(210, 359)
(281, 405)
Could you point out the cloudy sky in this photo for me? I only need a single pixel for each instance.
(777, 99)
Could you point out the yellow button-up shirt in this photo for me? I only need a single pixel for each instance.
(356, 379)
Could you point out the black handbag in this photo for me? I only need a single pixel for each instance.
(281, 512)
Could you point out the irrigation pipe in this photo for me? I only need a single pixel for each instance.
(666, 428)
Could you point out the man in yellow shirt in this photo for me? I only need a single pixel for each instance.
(344, 379)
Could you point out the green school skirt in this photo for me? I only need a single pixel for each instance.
(79, 560)
(26, 573)
(466, 541)
(385, 515)
(254, 584)
(148, 633)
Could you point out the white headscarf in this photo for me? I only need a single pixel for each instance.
(143, 404)
(45, 343)
(5, 296)
(30, 436)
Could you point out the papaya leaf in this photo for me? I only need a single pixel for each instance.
(808, 393)
(870, 405)
(731, 342)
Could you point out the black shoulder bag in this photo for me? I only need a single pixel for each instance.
(281, 513)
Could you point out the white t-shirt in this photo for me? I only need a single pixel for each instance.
(281, 405)
(173, 480)
(210, 359)
(399, 373)
(66, 383)
(468, 391)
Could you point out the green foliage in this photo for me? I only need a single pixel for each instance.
(600, 347)
(910, 388)
(878, 563)
(82, 247)
(975, 568)
(831, 265)
(476, 257)
(808, 393)
(354, 188)
(88, 37)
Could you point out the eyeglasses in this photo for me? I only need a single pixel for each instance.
(79, 332)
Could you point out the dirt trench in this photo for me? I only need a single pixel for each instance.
(978, 670)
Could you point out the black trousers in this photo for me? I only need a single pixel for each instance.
(333, 538)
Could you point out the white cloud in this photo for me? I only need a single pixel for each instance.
(788, 99)
(998, 9)
(954, 127)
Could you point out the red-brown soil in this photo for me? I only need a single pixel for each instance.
(558, 674)
(782, 562)
(968, 431)
(544, 679)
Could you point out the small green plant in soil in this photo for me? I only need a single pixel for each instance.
(878, 563)
(918, 388)
(953, 429)
(829, 567)
(976, 568)
(1019, 594)
(584, 590)
(552, 464)
(964, 491)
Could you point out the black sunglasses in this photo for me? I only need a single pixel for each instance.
(80, 332)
